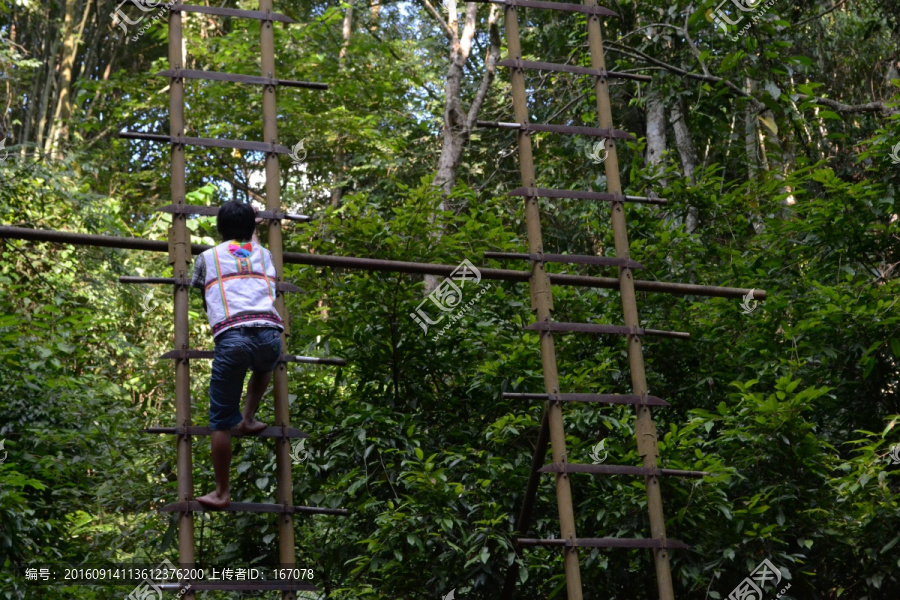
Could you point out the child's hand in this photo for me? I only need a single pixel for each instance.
(257, 220)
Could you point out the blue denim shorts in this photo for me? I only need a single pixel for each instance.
(237, 350)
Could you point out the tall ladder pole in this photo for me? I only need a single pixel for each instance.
(542, 304)
(283, 462)
(180, 256)
(645, 429)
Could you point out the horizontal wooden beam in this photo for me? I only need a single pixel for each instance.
(607, 329)
(268, 432)
(619, 470)
(597, 398)
(604, 543)
(236, 78)
(390, 266)
(254, 507)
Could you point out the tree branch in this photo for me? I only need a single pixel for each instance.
(869, 107)
(451, 35)
(465, 40)
(877, 107)
(757, 105)
(833, 8)
(490, 67)
(694, 49)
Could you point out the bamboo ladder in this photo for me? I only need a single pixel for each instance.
(552, 430)
(180, 258)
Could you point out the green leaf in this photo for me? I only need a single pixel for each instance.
(890, 544)
(895, 346)
(770, 123)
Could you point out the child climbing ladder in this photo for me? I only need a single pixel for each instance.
(237, 281)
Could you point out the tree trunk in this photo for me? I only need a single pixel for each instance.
(60, 125)
(751, 146)
(688, 155)
(346, 30)
(656, 134)
(45, 94)
(458, 123)
(374, 16)
(750, 140)
(31, 111)
(337, 191)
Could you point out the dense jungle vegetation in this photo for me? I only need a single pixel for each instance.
(777, 146)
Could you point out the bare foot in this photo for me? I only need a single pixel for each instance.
(215, 501)
(251, 427)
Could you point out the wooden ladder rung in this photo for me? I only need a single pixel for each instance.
(236, 78)
(564, 129)
(605, 543)
(211, 211)
(281, 286)
(268, 432)
(607, 329)
(239, 586)
(254, 507)
(581, 195)
(206, 142)
(226, 12)
(209, 354)
(578, 259)
(534, 65)
(599, 398)
(619, 470)
(560, 6)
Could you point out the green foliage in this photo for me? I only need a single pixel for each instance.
(792, 409)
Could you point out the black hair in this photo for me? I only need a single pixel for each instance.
(236, 221)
